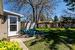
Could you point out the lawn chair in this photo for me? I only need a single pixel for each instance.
(28, 27)
(32, 26)
(31, 31)
(24, 30)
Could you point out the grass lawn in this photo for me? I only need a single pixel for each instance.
(47, 29)
(55, 34)
(37, 46)
(43, 46)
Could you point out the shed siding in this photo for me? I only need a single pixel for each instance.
(3, 29)
(1, 7)
(3, 26)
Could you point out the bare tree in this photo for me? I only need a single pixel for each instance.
(70, 4)
(36, 5)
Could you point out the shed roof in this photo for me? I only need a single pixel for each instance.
(10, 12)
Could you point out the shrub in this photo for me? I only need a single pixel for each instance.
(5, 45)
(73, 46)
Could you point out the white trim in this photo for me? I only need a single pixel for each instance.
(13, 13)
(8, 25)
(12, 33)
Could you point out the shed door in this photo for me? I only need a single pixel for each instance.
(12, 25)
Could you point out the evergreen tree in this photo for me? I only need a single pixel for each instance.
(55, 18)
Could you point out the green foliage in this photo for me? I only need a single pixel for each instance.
(58, 36)
(73, 46)
(55, 18)
(22, 32)
(48, 29)
(37, 46)
(5, 45)
(45, 46)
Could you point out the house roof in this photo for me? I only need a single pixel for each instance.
(10, 12)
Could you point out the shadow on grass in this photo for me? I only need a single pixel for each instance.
(57, 36)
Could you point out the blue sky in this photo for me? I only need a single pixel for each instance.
(58, 11)
(60, 8)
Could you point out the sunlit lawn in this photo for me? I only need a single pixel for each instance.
(37, 46)
(62, 32)
(47, 29)
(43, 46)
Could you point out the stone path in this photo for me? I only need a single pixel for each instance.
(20, 41)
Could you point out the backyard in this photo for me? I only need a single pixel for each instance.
(37, 24)
(53, 39)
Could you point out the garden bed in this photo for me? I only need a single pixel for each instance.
(6, 45)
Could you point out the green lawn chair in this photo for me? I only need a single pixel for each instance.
(24, 30)
(32, 30)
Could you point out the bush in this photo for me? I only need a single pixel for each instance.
(5, 45)
(73, 46)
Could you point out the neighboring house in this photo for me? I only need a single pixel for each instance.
(9, 22)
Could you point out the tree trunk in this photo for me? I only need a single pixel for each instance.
(36, 17)
(33, 14)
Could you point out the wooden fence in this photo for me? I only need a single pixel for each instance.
(50, 25)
